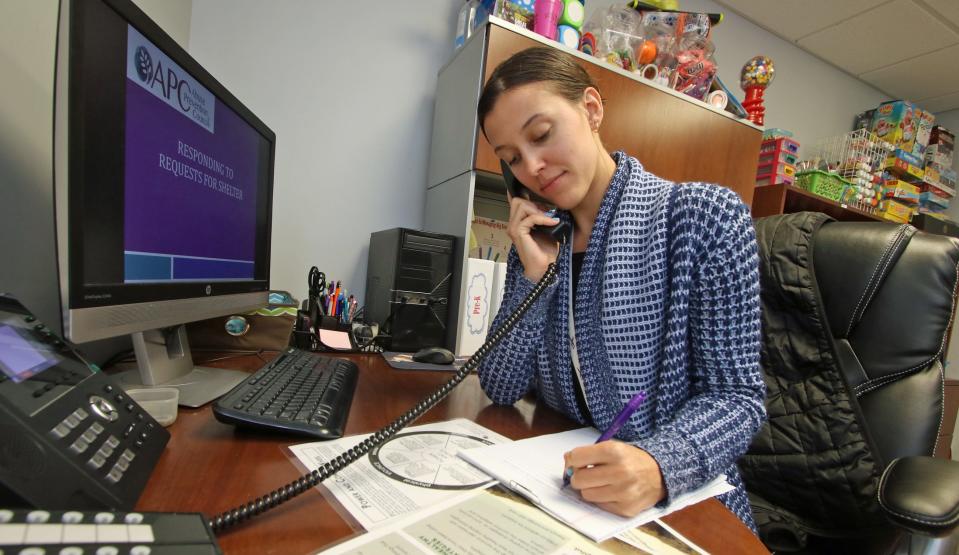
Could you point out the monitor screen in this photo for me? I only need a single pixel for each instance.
(190, 183)
(163, 181)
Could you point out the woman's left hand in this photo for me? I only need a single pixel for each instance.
(617, 477)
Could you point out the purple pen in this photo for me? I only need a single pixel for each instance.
(623, 416)
(614, 428)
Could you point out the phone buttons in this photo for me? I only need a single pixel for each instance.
(72, 517)
(103, 408)
(103, 518)
(38, 517)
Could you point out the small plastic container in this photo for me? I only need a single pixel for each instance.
(782, 143)
(159, 402)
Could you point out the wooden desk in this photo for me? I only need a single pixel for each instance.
(210, 467)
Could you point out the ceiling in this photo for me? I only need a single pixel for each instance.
(908, 49)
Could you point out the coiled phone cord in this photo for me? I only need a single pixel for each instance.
(262, 504)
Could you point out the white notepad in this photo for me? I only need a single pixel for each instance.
(533, 468)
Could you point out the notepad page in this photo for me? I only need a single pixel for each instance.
(534, 468)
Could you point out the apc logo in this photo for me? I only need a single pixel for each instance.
(144, 64)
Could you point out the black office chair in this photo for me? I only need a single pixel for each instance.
(856, 318)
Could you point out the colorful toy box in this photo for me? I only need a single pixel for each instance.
(900, 191)
(924, 125)
(904, 125)
(894, 211)
(904, 165)
(938, 155)
(947, 177)
(932, 203)
(943, 138)
(896, 123)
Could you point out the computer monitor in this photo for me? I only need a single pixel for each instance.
(163, 188)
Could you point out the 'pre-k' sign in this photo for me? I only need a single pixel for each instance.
(154, 71)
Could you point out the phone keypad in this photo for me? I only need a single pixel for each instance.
(135, 432)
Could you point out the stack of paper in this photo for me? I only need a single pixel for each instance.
(533, 468)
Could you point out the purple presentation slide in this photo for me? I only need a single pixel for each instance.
(190, 176)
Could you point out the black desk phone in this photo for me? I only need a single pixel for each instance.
(71, 438)
(560, 232)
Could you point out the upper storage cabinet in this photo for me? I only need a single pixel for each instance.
(674, 136)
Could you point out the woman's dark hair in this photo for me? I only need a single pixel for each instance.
(540, 64)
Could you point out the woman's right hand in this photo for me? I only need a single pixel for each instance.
(536, 250)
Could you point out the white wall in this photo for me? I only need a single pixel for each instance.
(173, 16)
(28, 269)
(349, 91)
(27, 258)
(809, 97)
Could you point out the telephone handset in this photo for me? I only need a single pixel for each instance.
(312, 479)
(560, 232)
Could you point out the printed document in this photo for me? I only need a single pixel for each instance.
(487, 521)
(416, 468)
(533, 468)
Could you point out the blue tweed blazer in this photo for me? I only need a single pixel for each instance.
(667, 302)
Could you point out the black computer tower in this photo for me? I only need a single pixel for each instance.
(408, 283)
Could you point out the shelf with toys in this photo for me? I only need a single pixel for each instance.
(635, 76)
(781, 198)
(674, 135)
(894, 166)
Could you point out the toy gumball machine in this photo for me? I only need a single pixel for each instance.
(757, 74)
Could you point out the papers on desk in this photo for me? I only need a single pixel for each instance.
(496, 521)
(414, 469)
(533, 468)
(487, 521)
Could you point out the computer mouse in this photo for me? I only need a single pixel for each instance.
(434, 355)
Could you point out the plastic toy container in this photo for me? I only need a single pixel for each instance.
(778, 156)
(782, 143)
(774, 179)
(159, 402)
(779, 168)
(824, 184)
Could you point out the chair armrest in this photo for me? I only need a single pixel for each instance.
(921, 494)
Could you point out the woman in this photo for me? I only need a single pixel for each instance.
(664, 285)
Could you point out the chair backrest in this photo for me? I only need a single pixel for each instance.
(889, 292)
(855, 321)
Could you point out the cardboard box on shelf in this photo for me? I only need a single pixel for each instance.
(904, 165)
(924, 124)
(900, 191)
(894, 211)
(475, 305)
(492, 241)
(895, 122)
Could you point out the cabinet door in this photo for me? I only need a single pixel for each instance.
(673, 137)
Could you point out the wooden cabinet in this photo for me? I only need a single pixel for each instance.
(673, 135)
(770, 200)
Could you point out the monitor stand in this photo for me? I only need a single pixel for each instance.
(164, 360)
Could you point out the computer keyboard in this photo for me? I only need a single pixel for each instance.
(299, 392)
